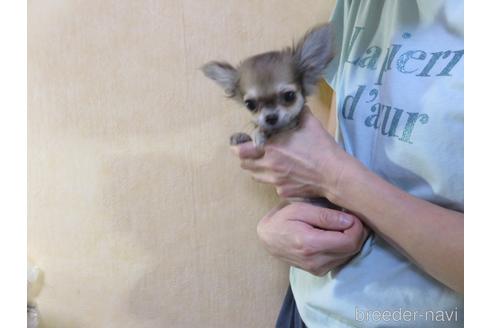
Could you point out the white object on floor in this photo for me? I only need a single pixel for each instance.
(33, 273)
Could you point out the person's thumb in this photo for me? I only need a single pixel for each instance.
(247, 150)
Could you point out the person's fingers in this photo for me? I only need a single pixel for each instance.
(250, 165)
(316, 262)
(324, 218)
(313, 250)
(356, 234)
(290, 191)
(247, 150)
(348, 241)
(264, 164)
(264, 178)
(274, 210)
(318, 240)
(330, 230)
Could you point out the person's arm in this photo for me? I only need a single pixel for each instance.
(429, 235)
(446, 228)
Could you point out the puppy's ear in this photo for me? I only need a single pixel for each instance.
(312, 54)
(223, 74)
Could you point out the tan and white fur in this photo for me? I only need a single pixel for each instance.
(274, 85)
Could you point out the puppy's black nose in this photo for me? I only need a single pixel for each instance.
(271, 119)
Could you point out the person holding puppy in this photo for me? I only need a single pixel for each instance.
(397, 169)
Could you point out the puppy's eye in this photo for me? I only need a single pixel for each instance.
(250, 104)
(289, 96)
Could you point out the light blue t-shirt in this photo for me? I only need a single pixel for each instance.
(398, 77)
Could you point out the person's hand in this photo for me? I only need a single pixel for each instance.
(305, 163)
(312, 238)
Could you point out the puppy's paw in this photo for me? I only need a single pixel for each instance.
(239, 138)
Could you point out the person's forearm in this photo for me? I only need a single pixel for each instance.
(429, 235)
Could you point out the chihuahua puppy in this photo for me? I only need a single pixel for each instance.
(274, 85)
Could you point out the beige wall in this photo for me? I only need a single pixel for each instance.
(138, 214)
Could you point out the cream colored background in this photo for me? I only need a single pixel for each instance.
(139, 216)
